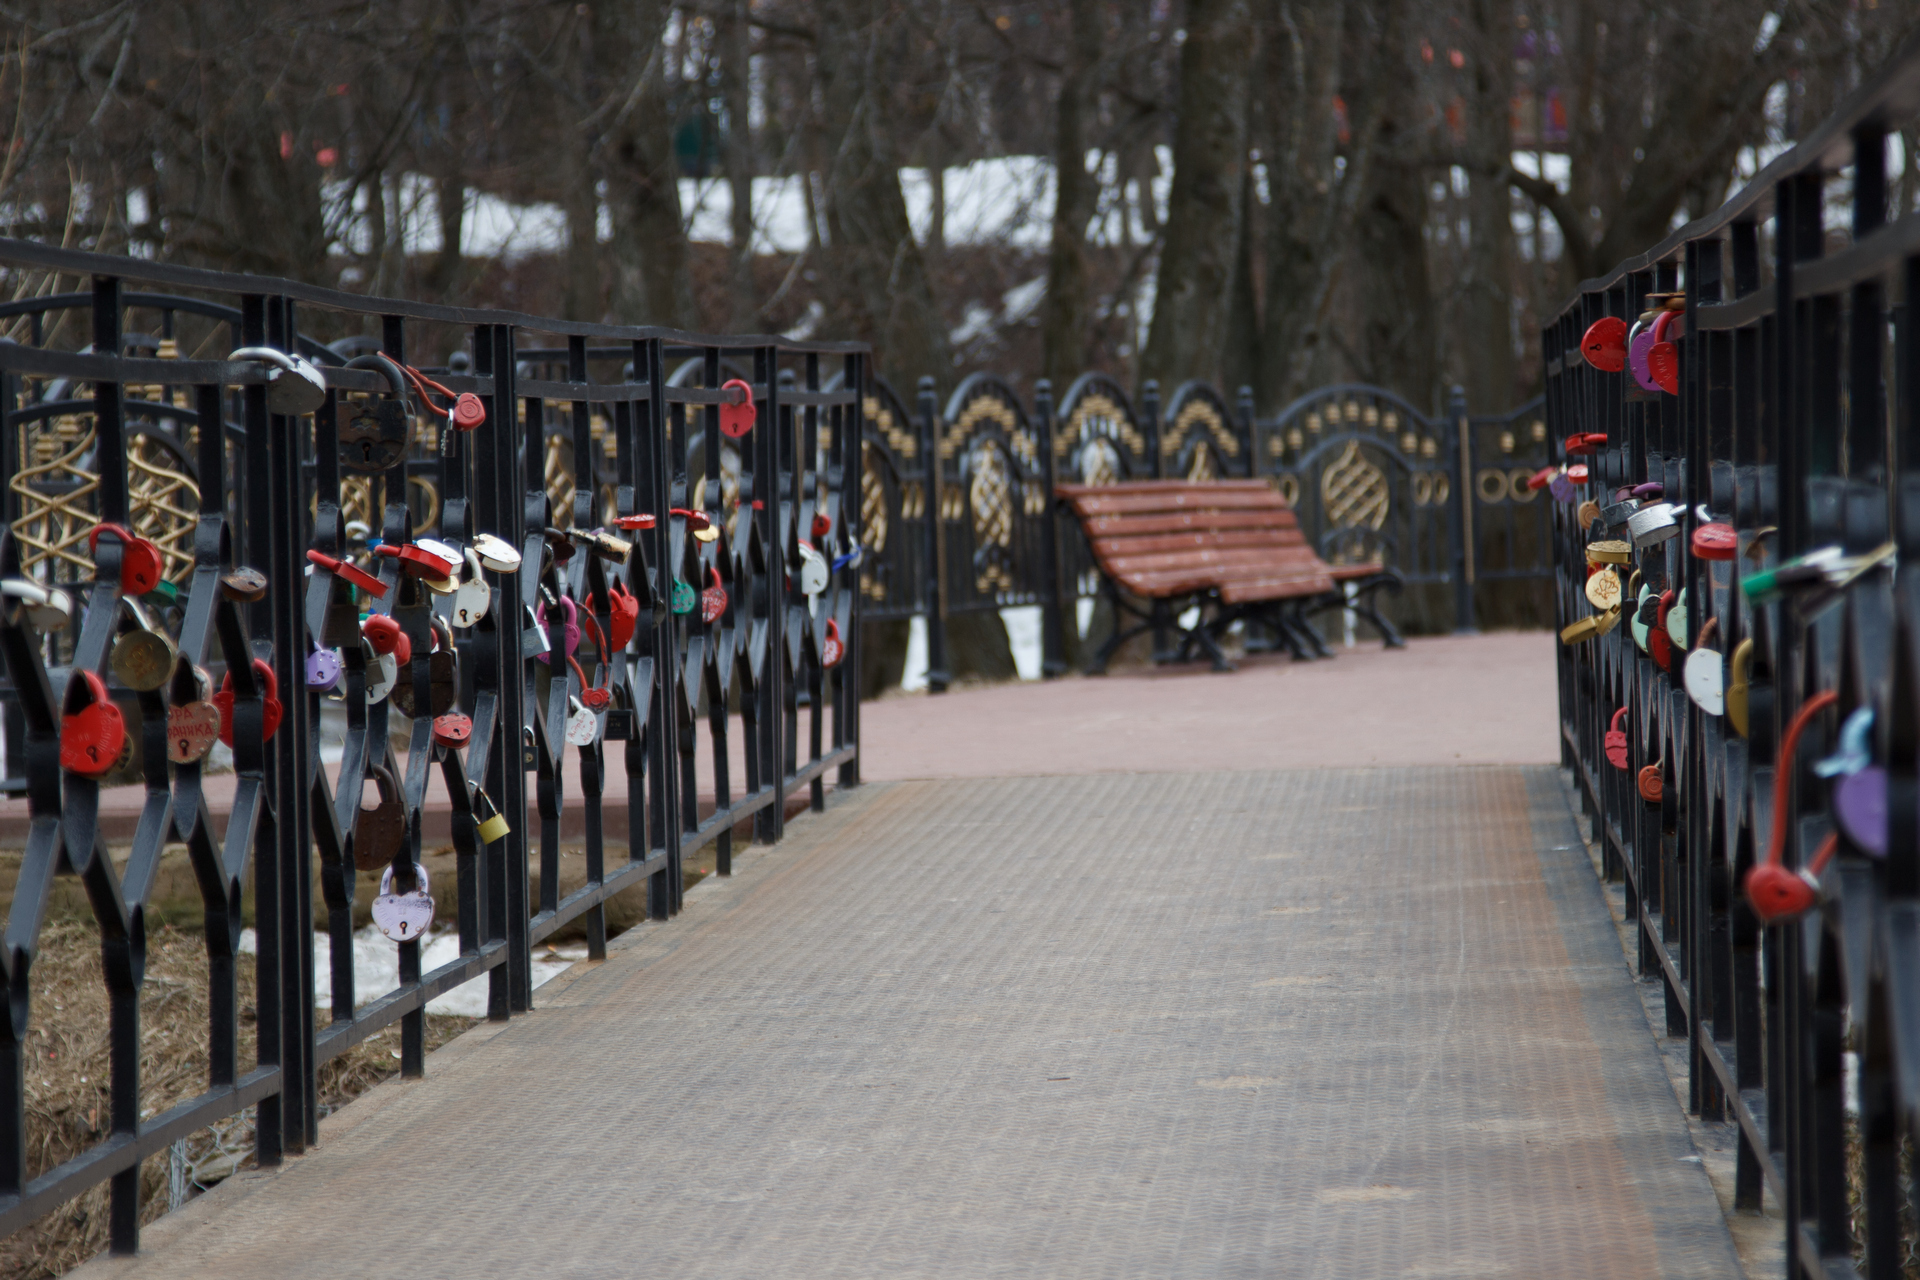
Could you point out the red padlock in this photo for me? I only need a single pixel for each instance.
(385, 635)
(831, 648)
(452, 729)
(737, 419)
(468, 411)
(634, 522)
(1617, 741)
(1605, 344)
(1542, 478)
(270, 710)
(140, 560)
(822, 526)
(1776, 893)
(1651, 786)
(1578, 473)
(352, 572)
(1716, 542)
(713, 601)
(93, 732)
(1585, 441)
(623, 611)
(1659, 641)
(1663, 358)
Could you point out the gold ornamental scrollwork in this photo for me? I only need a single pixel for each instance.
(1353, 492)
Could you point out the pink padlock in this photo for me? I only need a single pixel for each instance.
(570, 639)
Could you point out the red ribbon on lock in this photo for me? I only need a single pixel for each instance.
(1774, 892)
(1659, 643)
(1604, 345)
(1716, 542)
(1617, 741)
(91, 738)
(140, 561)
(270, 710)
(737, 419)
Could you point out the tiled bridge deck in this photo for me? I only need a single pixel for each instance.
(1356, 1020)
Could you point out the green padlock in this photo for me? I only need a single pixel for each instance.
(684, 597)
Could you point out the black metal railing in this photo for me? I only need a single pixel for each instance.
(1743, 730)
(609, 555)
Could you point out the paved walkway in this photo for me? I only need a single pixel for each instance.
(1269, 1022)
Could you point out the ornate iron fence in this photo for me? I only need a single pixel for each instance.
(1741, 724)
(546, 579)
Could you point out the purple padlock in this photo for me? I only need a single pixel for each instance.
(1637, 359)
(570, 636)
(1860, 806)
(1561, 488)
(323, 670)
(1651, 489)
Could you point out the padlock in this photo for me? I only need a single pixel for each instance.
(1663, 358)
(1603, 588)
(583, 726)
(570, 631)
(683, 597)
(1542, 478)
(48, 609)
(443, 684)
(384, 634)
(1715, 542)
(294, 387)
(1654, 523)
(1561, 486)
(1677, 622)
(244, 585)
(452, 729)
(623, 614)
(604, 545)
(1639, 623)
(1853, 750)
(1651, 786)
(559, 545)
(737, 419)
(1604, 345)
(92, 732)
(474, 597)
(1659, 642)
(193, 722)
(270, 710)
(417, 562)
(1860, 807)
(831, 648)
(703, 528)
(142, 657)
(494, 825)
(1736, 696)
(383, 670)
(813, 570)
(1777, 894)
(1638, 345)
(1704, 674)
(403, 917)
(496, 554)
(1609, 551)
(713, 601)
(140, 560)
(373, 434)
(440, 551)
(1585, 442)
(468, 411)
(324, 667)
(351, 572)
(1617, 741)
(381, 828)
(641, 521)
(1591, 627)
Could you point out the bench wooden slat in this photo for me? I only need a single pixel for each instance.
(1100, 526)
(1185, 499)
(1108, 547)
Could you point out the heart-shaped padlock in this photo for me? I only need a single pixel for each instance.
(270, 711)
(1650, 783)
(244, 585)
(1860, 807)
(474, 596)
(1659, 642)
(583, 727)
(1677, 622)
(1704, 674)
(492, 823)
(1617, 741)
(1663, 358)
(384, 634)
(381, 827)
(404, 917)
(142, 657)
(1604, 345)
(831, 648)
(1637, 623)
(737, 419)
(1777, 894)
(570, 632)
(192, 730)
(1561, 487)
(1637, 348)
(683, 597)
(623, 614)
(452, 729)
(813, 570)
(323, 670)
(713, 601)
(92, 732)
(140, 560)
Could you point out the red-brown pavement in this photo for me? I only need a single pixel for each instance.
(1485, 699)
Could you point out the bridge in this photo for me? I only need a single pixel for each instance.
(1302, 970)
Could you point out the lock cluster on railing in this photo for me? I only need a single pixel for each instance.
(1744, 743)
(381, 561)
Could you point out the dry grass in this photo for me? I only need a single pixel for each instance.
(67, 1080)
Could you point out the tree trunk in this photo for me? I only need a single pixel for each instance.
(1064, 320)
(879, 270)
(1186, 337)
(737, 87)
(649, 232)
(1397, 343)
(1487, 334)
(450, 202)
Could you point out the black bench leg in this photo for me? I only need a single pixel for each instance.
(1389, 634)
(1097, 665)
(1203, 637)
(1311, 634)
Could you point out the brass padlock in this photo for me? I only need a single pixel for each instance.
(142, 657)
(1736, 696)
(493, 825)
(443, 678)
(380, 830)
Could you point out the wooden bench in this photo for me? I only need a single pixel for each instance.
(1232, 547)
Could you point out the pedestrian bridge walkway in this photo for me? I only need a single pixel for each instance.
(1321, 984)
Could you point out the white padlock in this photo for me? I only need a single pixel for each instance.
(470, 602)
(813, 570)
(583, 726)
(497, 553)
(382, 671)
(404, 917)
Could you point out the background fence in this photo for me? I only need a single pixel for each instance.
(196, 538)
(1791, 431)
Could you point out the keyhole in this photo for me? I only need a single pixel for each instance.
(366, 451)
(93, 754)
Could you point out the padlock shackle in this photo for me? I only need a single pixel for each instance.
(1614, 727)
(385, 364)
(265, 355)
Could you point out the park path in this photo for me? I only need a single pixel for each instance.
(1359, 1019)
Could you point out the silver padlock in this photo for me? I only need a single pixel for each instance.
(47, 608)
(404, 917)
(295, 387)
(470, 602)
(1654, 523)
(382, 671)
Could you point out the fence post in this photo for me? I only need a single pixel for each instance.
(1243, 405)
(1150, 424)
(1460, 528)
(1053, 650)
(937, 674)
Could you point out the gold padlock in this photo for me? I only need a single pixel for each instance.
(1736, 701)
(1589, 512)
(1585, 629)
(1603, 589)
(1610, 551)
(490, 828)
